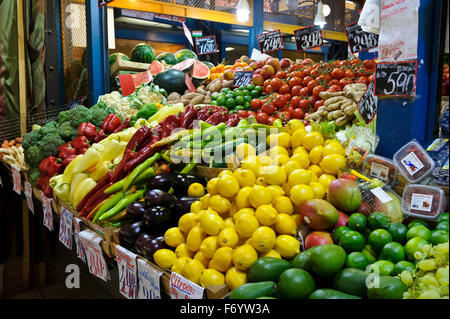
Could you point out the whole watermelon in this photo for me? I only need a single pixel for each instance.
(184, 54)
(171, 81)
(113, 57)
(143, 53)
(167, 57)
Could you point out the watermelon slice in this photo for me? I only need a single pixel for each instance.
(200, 73)
(185, 65)
(156, 67)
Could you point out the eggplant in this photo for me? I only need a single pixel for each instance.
(146, 244)
(136, 210)
(181, 182)
(129, 233)
(184, 203)
(161, 181)
(157, 218)
(157, 197)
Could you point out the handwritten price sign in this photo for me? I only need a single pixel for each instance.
(126, 262)
(396, 79)
(270, 41)
(149, 281)
(308, 38)
(367, 106)
(242, 78)
(48, 213)
(76, 235)
(360, 40)
(65, 228)
(96, 261)
(182, 288)
(206, 45)
(29, 196)
(102, 3)
(17, 180)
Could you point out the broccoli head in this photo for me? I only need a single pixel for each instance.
(34, 175)
(65, 130)
(33, 156)
(31, 138)
(74, 134)
(80, 114)
(99, 114)
(49, 144)
(64, 116)
(49, 128)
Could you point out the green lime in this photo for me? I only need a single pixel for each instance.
(418, 222)
(366, 233)
(444, 217)
(221, 100)
(215, 95)
(385, 267)
(378, 238)
(240, 100)
(357, 260)
(402, 266)
(237, 93)
(259, 89)
(370, 254)
(248, 98)
(245, 92)
(226, 90)
(231, 104)
(229, 96)
(339, 231)
(239, 107)
(254, 94)
(295, 283)
(393, 252)
(247, 105)
(352, 241)
(418, 231)
(398, 232)
(442, 226)
(358, 222)
(438, 237)
(213, 102)
(378, 220)
(250, 87)
(413, 245)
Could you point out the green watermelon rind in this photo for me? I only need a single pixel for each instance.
(138, 53)
(167, 57)
(208, 64)
(113, 57)
(171, 81)
(184, 54)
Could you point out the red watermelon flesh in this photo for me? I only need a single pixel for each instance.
(156, 67)
(201, 71)
(184, 65)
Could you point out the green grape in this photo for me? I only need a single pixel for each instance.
(427, 264)
(418, 255)
(442, 276)
(429, 294)
(430, 280)
(406, 278)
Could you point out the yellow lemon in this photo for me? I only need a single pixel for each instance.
(245, 177)
(332, 164)
(298, 219)
(285, 225)
(287, 246)
(228, 186)
(276, 151)
(263, 239)
(328, 141)
(196, 207)
(287, 188)
(228, 237)
(202, 258)
(291, 166)
(299, 149)
(205, 200)
(164, 258)
(246, 224)
(233, 209)
(261, 181)
(284, 139)
(300, 194)
(300, 176)
(312, 139)
(211, 277)
(195, 237)
(315, 155)
(228, 222)
(183, 251)
(314, 177)
(271, 253)
(279, 160)
(173, 237)
(259, 195)
(333, 148)
(266, 215)
(264, 160)
(226, 172)
(222, 259)
(316, 169)
(274, 175)
(294, 125)
(242, 197)
(211, 224)
(247, 210)
(187, 221)
(220, 204)
(235, 278)
(283, 205)
(211, 186)
(276, 190)
(272, 140)
(243, 150)
(209, 246)
(318, 189)
(193, 270)
(196, 190)
(244, 256)
(302, 158)
(179, 264)
(297, 137)
(326, 179)
(251, 163)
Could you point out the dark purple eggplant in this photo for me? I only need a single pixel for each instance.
(136, 210)
(146, 244)
(129, 233)
(181, 182)
(183, 204)
(157, 218)
(161, 181)
(157, 197)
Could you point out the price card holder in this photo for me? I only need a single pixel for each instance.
(94, 254)
(29, 196)
(126, 263)
(182, 288)
(308, 38)
(359, 40)
(270, 41)
(65, 228)
(17, 180)
(242, 78)
(397, 79)
(48, 212)
(102, 3)
(206, 45)
(367, 106)
(76, 235)
(149, 281)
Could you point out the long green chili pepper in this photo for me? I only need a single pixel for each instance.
(123, 203)
(108, 205)
(139, 169)
(115, 187)
(188, 168)
(149, 172)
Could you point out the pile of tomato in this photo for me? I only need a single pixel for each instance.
(294, 93)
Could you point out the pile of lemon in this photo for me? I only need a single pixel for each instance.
(253, 211)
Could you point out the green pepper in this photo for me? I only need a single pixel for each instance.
(139, 169)
(188, 168)
(133, 120)
(277, 123)
(147, 111)
(108, 205)
(119, 223)
(123, 203)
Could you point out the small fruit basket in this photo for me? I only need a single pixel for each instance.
(423, 201)
(413, 162)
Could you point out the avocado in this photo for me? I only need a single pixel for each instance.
(327, 260)
(267, 269)
(254, 290)
(302, 260)
(295, 283)
(331, 294)
(389, 288)
(351, 281)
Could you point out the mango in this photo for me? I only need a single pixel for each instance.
(318, 214)
(344, 194)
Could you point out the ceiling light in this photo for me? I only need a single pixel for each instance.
(243, 11)
(320, 18)
(229, 49)
(326, 10)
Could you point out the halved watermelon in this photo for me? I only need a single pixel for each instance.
(168, 57)
(156, 67)
(114, 56)
(185, 65)
(184, 54)
(208, 64)
(200, 73)
(143, 53)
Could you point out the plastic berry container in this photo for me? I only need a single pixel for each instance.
(423, 201)
(380, 167)
(413, 162)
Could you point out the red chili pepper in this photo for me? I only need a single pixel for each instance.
(105, 180)
(66, 151)
(95, 199)
(169, 124)
(87, 129)
(110, 123)
(214, 118)
(188, 116)
(80, 142)
(233, 120)
(136, 141)
(68, 159)
(143, 154)
(348, 176)
(50, 166)
(100, 135)
(126, 123)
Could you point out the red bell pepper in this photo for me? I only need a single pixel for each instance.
(61, 147)
(80, 142)
(66, 151)
(110, 123)
(43, 183)
(100, 135)
(87, 129)
(68, 159)
(50, 166)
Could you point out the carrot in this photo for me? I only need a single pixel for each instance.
(12, 142)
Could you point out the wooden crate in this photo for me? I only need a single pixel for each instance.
(123, 65)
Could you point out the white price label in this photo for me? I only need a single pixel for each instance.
(65, 228)
(149, 281)
(29, 196)
(126, 262)
(48, 213)
(182, 288)
(381, 195)
(421, 202)
(94, 254)
(76, 235)
(17, 180)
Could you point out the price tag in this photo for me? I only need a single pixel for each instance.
(396, 79)
(76, 235)
(367, 106)
(126, 262)
(381, 195)
(149, 281)
(48, 213)
(270, 41)
(182, 288)
(94, 255)
(206, 45)
(308, 38)
(65, 228)
(360, 40)
(102, 3)
(242, 78)
(29, 196)
(17, 180)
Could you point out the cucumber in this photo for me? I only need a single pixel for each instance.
(351, 281)
(331, 294)
(254, 290)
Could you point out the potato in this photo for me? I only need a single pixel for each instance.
(342, 120)
(197, 100)
(185, 102)
(227, 84)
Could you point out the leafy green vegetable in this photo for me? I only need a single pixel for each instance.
(80, 114)
(49, 144)
(65, 131)
(33, 156)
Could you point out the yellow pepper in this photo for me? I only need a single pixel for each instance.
(68, 171)
(101, 170)
(122, 136)
(60, 188)
(77, 179)
(111, 150)
(83, 188)
(166, 111)
(118, 159)
(89, 158)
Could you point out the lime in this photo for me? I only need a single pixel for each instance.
(239, 100)
(378, 220)
(418, 222)
(221, 101)
(357, 260)
(413, 245)
(378, 238)
(250, 87)
(339, 231)
(248, 98)
(254, 93)
(438, 237)
(370, 254)
(215, 95)
(352, 241)
(444, 217)
(442, 226)
(418, 231)
(259, 89)
(402, 266)
(229, 96)
(366, 233)
(398, 232)
(246, 105)
(385, 267)
(245, 92)
(295, 283)
(393, 252)
(357, 222)
(231, 104)
(237, 93)
(213, 102)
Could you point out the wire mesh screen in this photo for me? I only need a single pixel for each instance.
(228, 6)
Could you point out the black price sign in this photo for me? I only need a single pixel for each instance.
(102, 3)
(206, 45)
(308, 38)
(360, 40)
(270, 41)
(396, 79)
(367, 106)
(242, 78)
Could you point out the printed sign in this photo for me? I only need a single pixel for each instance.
(421, 202)
(396, 79)
(65, 228)
(308, 38)
(360, 40)
(126, 263)
(149, 281)
(76, 235)
(412, 163)
(206, 45)
(270, 41)
(379, 171)
(381, 195)
(182, 288)
(367, 106)
(94, 255)
(29, 196)
(48, 213)
(102, 3)
(242, 78)
(17, 180)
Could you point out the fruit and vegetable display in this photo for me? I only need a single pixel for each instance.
(11, 153)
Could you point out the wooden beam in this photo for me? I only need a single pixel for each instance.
(22, 70)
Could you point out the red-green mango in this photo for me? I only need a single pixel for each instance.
(318, 214)
(318, 238)
(344, 194)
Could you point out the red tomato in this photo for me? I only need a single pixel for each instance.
(255, 104)
(370, 64)
(251, 113)
(280, 102)
(363, 79)
(276, 83)
(298, 114)
(337, 73)
(268, 108)
(335, 88)
(270, 120)
(314, 73)
(281, 75)
(243, 114)
(304, 92)
(304, 104)
(318, 104)
(295, 101)
(269, 89)
(326, 77)
(312, 100)
(294, 82)
(316, 91)
(296, 90)
(312, 84)
(356, 61)
(306, 80)
(289, 110)
(333, 82)
(262, 117)
(284, 89)
(349, 73)
(344, 81)
(287, 96)
(344, 62)
(285, 116)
